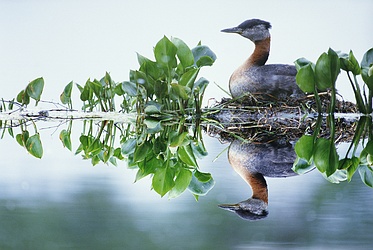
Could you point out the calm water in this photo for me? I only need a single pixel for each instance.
(62, 202)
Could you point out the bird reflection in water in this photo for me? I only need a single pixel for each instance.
(253, 162)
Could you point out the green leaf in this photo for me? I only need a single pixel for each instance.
(153, 125)
(325, 156)
(19, 139)
(327, 70)
(160, 89)
(180, 91)
(350, 165)
(199, 149)
(177, 139)
(22, 138)
(367, 60)
(129, 88)
(182, 182)
(149, 67)
(23, 97)
(96, 87)
(186, 155)
(165, 53)
(305, 79)
(34, 146)
(189, 77)
(369, 147)
(159, 145)
(355, 67)
(301, 62)
(87, 93)
(65, 96)
(163, 180)
(94, 146)
(366, 64)
(203, 56)
(304, 148)
(334, 65)
(65, 139)
(199, 188)
(366, 175)
(141, 152)
(153, 108)
(301, 166)
(184, 53)
(323, 73)
(35, 88)
(202, 177)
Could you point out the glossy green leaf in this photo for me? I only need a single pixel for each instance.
(337, 177)
(182, 182)
(149, 67)
(94, 147)
(87, 93)
(184, 53)
(19, 139)
(34, 146)
(200, 85)
(355, 67)
(325, 156)
(202, 177)
(334, 65)
(301, 166)
(35, 88)
(153, 125)
(177, 139)
(199, 149)
(163, 180)
(153, 108)
(369, 147)
(350, 164)
(22, 138)
(159, 145)
(301, 62)
(366, 64)
(186, 155)
(366, 175)
(367, 60)
(129, 88)
(305, 79)
(180, 91)
(23, 97)
(322, 72)
(65, 139)
(161, 89)
(304, 147)
(199, 188)
(165, 53)
(96, 87)
(141, 152)
(65, 96)
(189, 77)
(203, 56)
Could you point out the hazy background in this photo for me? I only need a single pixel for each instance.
(64, 202)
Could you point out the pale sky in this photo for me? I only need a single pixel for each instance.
(77, 40)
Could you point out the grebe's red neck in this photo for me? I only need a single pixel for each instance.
(260, 55)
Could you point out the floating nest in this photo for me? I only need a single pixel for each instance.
(260, 120)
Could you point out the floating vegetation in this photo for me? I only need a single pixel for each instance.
(153, 120)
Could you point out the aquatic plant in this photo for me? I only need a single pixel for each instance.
(313, 151)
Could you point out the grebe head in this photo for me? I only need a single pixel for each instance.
(253, 29)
